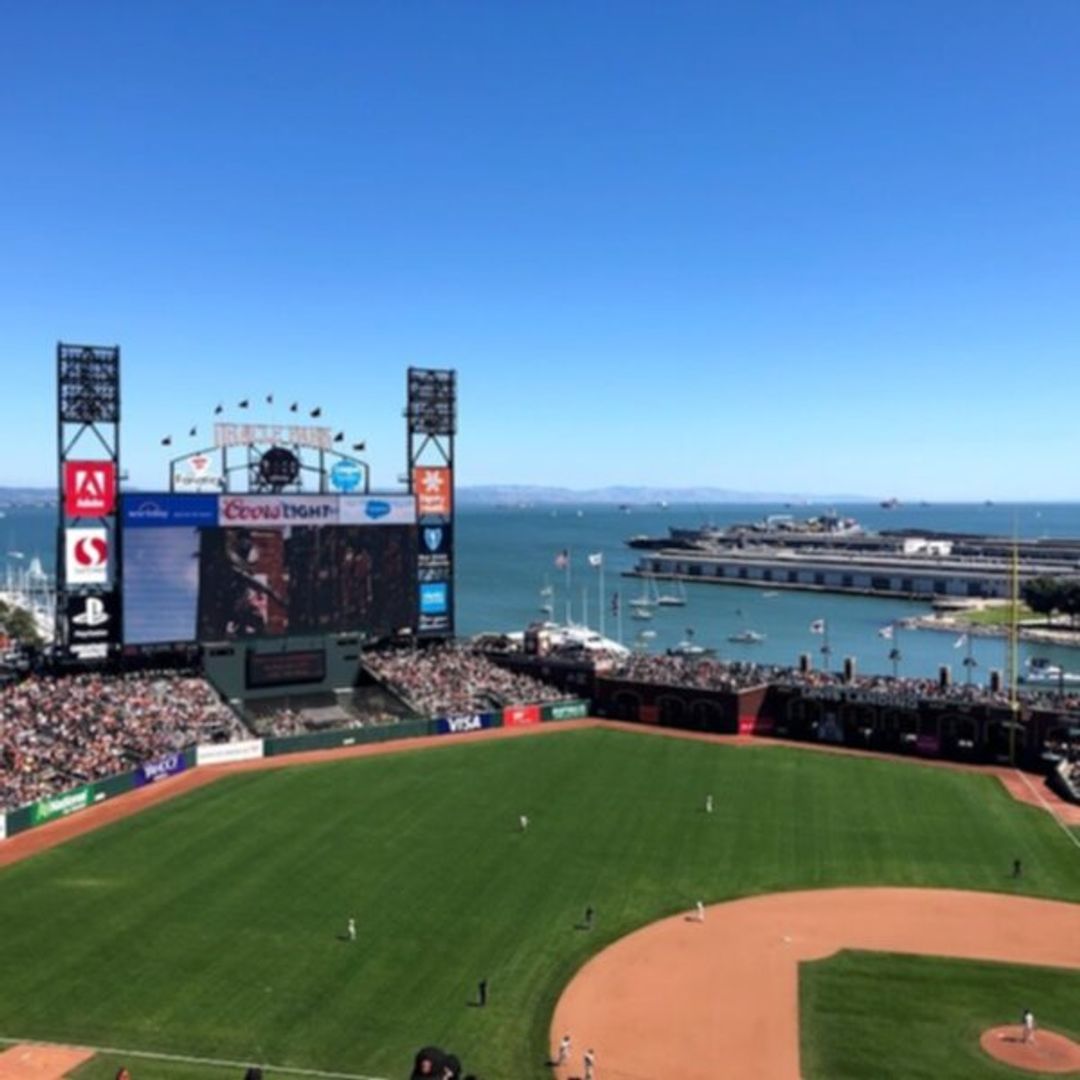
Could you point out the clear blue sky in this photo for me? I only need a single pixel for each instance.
(772, 246)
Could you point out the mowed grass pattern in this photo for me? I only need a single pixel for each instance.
(211, 925)
(921, 1014)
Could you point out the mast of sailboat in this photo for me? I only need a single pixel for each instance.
(1014, 634)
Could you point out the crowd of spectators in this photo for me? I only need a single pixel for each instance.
(699, 673)
(58, 733)
(702, 673)
(454, 678)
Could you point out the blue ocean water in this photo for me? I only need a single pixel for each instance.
(506, 556)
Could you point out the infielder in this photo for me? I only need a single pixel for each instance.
(700, 911)
(524, 820)
(1029, 1026)
(590, 1064)
(564, 1051)
(351, 931)
(708, 804)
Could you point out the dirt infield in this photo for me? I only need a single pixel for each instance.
(1048, 1052)
(28, 843)
(676, 997)
(33, 1061)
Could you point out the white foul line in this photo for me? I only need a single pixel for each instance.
(1048, 808)
(186, 1060)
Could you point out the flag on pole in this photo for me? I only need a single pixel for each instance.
(960, 642)
(596, 559)
(562, 560)
(817, 626)
(615, 603)
(886, 632)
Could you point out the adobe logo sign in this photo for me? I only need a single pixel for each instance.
(89, 488)
(87, 556)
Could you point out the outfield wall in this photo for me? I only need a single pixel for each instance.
(66, 803)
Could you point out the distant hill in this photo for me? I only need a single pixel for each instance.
(27, 496)
(517, 494)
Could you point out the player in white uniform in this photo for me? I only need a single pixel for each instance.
(590, 1064)
(352, 930)
(524, 820)
(708, 804)
(1029, 1026)
(564, 1051)
(700, 911)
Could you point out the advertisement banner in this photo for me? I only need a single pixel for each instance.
(86, 556)
(152, 771)
(433, 489)
(277, 511)
(346, 476)
(219, 753)
(60, 806)
(928, 744)
(459, 725)
(434, 598)
(168, 511)
(89, 488)
(93, 625)
(436, 544)
(377, 510)
(197, 474)
(521, 715)
(315, 438)
(565, 710)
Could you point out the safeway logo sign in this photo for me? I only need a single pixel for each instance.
(433, 490)
(87, 556)
(89, 488)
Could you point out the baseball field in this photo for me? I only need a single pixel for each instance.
(212, 926)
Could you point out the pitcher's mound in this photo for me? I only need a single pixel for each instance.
(1048, 1053)
(35, 1061)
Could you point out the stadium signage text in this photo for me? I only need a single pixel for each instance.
(61, 805)
(433, 489)
(567, 710)
(521, 715)
(167, 511)
(316, 438)
(458, 725)
(862, 697)
(152, 771)
(219, 753)
(89, 488)
(87, 556)
(274, 510)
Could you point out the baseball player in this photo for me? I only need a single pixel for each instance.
(1029, 1026)
(524, 820)
(351, 931)
(700, 911)
(708, 804)
(590, 916)
(564, 1051)
(590, 1064)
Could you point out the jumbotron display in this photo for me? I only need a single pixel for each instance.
(226, 567)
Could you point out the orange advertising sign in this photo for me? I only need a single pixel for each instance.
(433, 488)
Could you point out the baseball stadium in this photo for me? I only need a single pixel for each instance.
(263, 814)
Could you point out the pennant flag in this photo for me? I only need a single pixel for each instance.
(219, 410)
(317, 411)
(339, 437)
(886, 632)
(269, 399)
(562, 560)
(294, 406)
(817, 626)
(244, 404)
(960, 642)
(615, 603)
(191, 433)
(167, 441)
(596, 559)
(359, 446)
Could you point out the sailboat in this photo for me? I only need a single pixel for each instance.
(746, 636)
(677, 598)
(646, 601)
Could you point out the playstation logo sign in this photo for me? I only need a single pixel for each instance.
(93, 614)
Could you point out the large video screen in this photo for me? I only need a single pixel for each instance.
(217, 568)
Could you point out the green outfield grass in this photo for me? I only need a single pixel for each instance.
(859, 1009)
(210, 925)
